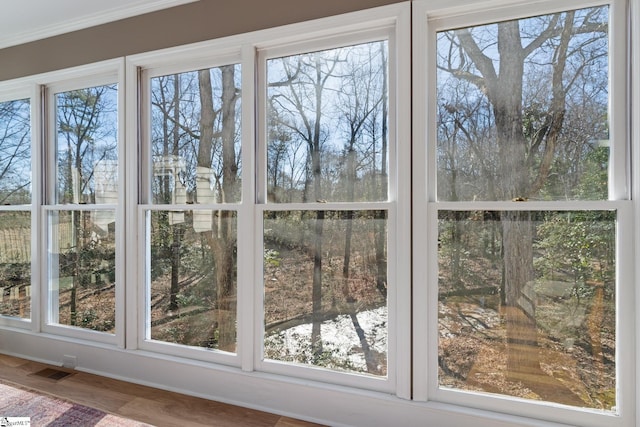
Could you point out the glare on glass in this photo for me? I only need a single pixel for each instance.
(537, 324)
(522, 109)
(196, 137)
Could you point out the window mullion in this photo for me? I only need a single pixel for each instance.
(619, 146)
(37, 181)
(247, 288)
(133, 269)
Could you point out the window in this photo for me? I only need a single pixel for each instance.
(16, 204)
(193, 187)
(265, 216)
(269, 241)
(528, 199)
(332, 208)
(83, 202)
(325, 221)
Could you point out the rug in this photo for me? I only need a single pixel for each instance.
(48, 411)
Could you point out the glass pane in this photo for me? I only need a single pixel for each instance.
(82, 272)
(195, 133)
(15, 152)
(327, 116)
(325, 289)
(15, 264)
(522, 109)
(527, 305)
(193, 265)
(87, 145)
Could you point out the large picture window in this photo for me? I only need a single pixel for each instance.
(424, 211)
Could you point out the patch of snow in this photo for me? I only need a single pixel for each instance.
(340, 341)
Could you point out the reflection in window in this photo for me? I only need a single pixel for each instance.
(195, 131)
(527, 304)
(570, 356)
(522, 109)
(82, 242)
(195, 155)
(193, 278)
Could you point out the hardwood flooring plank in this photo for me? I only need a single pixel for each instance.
(197, 414)
(11, 361)
(291, 422)
(146, 404)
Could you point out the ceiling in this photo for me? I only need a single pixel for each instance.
(22, 21)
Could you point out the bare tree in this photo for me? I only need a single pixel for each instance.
(223, 242)
(300, 97)
(15, 152)
(567, 44)
(85, 136)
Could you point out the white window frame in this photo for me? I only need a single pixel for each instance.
(329, 32)
(429, 18)
(101, 73)
(140, 70)
(12, 91)
(394, 29)
(413, 374)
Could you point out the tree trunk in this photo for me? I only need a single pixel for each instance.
(380, 216)
(348, 218)
(176, 235)
(522, 173)
(316, 287)
(369, 357)
(222, 243)
(316, 168)
(316, 290)
(522, 333)
(175, 269)
(506, 98)
(225, 273)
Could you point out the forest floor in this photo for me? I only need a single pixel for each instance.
(577, 367)
(575, 347)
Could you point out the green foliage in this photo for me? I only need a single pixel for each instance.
(578, 244)
(594, 181)
(581, 244)
(87, 317)
(14, 272)
(189, 299)
(272, 257)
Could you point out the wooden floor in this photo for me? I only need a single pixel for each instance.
(145, 404)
